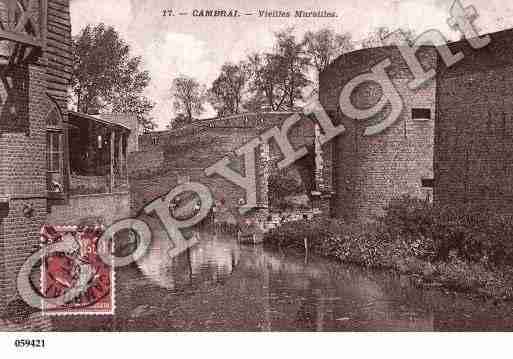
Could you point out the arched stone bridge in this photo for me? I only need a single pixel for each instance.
(169, 158)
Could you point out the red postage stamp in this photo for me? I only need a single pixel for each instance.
(77, 275)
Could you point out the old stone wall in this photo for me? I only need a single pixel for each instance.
(371, 170)
(187, 152)
(27, 93)
(22, 174)
(184, 159)
(145, 162)
(474, 129)
(108, 207)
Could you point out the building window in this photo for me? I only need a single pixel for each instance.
(428, 182)
(54, 151)
(155, 140)
(421, 114)
(54, 161)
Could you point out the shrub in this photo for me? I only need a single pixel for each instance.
(332, 238)
(282, 185)
(468, 249)
(431, 232)
(323, 235)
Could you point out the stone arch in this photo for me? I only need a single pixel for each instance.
(306, 168)
(56, 154)
(53, 117)
(314, 168)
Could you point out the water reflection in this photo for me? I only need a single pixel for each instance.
(220, 285)
(213, 260)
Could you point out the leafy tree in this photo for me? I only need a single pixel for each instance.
(189, 97)
(294, 64)
(279, 76)
(179, 121)
(255, 102)
(325, 45)
(228, 89)
(267, 82)
(141, 106)
(106, 76)
(128, 94)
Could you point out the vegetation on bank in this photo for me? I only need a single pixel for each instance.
(467, 250)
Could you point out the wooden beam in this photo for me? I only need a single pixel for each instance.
(112, 154)
(11, 13)
(26, 19)
(44, 22)
(20, 38)
(125, 156)
(122, 154)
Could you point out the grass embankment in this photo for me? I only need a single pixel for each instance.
(469, 250)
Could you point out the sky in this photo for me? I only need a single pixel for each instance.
(198, 46)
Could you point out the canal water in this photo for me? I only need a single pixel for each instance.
(221, 285)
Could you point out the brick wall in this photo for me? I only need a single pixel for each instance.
(22, 177)
(145, 162)
(108, 207)
(145, 190)
(371, 170)
(27, 93)
(187, 152)
(187, 157)
(474, 131)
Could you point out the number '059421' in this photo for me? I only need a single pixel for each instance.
(29, 343)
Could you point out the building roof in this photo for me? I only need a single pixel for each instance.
(218, 120)
(500, 46)
(94, 118)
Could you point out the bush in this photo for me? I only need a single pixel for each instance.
(469, 249)
(333, 238)
(282, 185)
(292, 234)
(323, 235)
(434, 233)
(410, 228)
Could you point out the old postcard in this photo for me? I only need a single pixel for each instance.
(278, 166)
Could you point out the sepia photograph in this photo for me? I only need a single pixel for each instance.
(201, 166)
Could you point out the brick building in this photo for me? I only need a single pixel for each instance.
(168, 158)
(474, 127)
(452, 141)
(61, 167)
(56, 166)
(370, 170)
